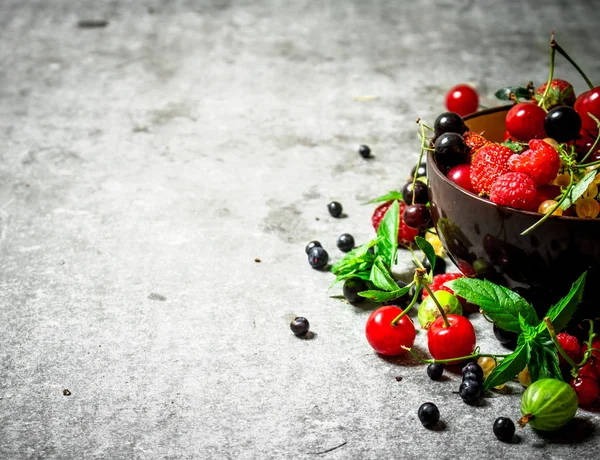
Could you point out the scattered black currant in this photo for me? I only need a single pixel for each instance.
(345, 242)
(449, 122)
(440, 265)
(365, 151)
(417, 216)
(420, 170)
(469, 390)
(435, 371)
(450, 149)
(318, 257)
(562, 123)
(506, 338)
(504, 429)
(335, 209)
(429, 414)
(475, 369)
(300, 326)
(472, 376)
(421, 193)
(351, 289)
(311, 245)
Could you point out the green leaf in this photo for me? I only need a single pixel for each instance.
(500, 304)
(380, 276)
(381, 296)
(387, 235)
(552, 362)
(529, 332)
(427, 249)
(563, 310)
(520, 93)
(354, 258)
(579, 189)
(515, 146)
(393, 195)
(537, 365)
(364, 275)
(508, 368)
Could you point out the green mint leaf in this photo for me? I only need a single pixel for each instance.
(362, 274)
(508, 368)
(515, 146)
(427, 249)
(380, 276)
(393, 195)
(543, 362)
(561, 312)
(387, 235)
(552, 362)
(529, 332)
(354, 258)
(381, 296)
(520, 93)
(579, 189)
(500, 304)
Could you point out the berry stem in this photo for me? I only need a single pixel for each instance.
(589, 351)
(557, 344)
(552, 54)
(437, 304)
(423, 148)
(558, 48)
(408, 308)
(596, 141)
(452, 360)
(525, 420)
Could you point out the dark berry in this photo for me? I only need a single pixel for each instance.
(351, 289)
(311, 245)
(472, 376)
(365, 151)
(402, 301)
(435, 371)
(504, 429)
(475, 369)
(420, 170)
(318, 257)
(417, 216)
(449, 122)
(562, 124)
(421, 193)
(429, 414)
(451, 150)
(469, 390)
(345, 242)
(299, 326)
(411, 293)
(506, 338)
(440, 265)
(335, 208)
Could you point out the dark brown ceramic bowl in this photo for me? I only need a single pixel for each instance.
(484, 239)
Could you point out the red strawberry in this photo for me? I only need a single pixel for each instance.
(514, 189)
(489, 163)
(474, 141)
(560, 93)
(406, 234)
(437, 285)
(541, 162)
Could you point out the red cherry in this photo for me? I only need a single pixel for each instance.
(385, 338)
(461, 176)
(588, 370)
(586, 389)
(595, 354)
(451, 342)
(589, 101)
(462, 99)
(525, 121)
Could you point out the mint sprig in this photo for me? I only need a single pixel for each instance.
(510, 93)
(387, 235)
(393, 195)
(579, 189)
(427, 249)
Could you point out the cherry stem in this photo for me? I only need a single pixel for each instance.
(423, 148)
(542, 101)
(408, 308)
(558, 48)
(560, 349)
(452, 360)
(437, 304)
(589, 351)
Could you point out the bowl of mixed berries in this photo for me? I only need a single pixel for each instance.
(513, 190)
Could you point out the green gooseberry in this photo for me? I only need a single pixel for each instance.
(548, 404)
(429, 312)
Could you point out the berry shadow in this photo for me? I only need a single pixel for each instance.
(439, 426)
(577, 431)
(406, 359)
(310, 335)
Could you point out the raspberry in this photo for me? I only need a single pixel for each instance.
(516, 190)
(406, 234)
(571, 346)
(437, 285)
(541, 162)
(489, 163)
(474, 141)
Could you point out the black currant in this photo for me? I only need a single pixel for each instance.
(473, 368)
(562, 123)
(318, 257)
(421, 193)
(351, 289)
(451, 150)
(299, 326)
(429, 414)
(335, 208)
(420, 170)
(449, 122)
(417, 216)
(469, 390)
(472, 376)
(311, 245)
(504, 429)
(440, 265)
(435, 371)
(345, 242)
(411, 293)
(365, 151)
(506, 338)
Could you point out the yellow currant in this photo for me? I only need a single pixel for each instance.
(587, 207)
(546, 206)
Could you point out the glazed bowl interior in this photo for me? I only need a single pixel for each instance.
(484, 239)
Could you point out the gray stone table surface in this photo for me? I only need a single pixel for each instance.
(144, 166)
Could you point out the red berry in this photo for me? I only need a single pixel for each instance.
(586, 389)
(546, 192)
(571, 346)
(451, 342)
(489, 163)
(514, 189)
(474, 141)
(462, 99)
(406, 234)
(560, 93)
(438, 285)
(595, 354)
(385, 338)
(461, 176)
(525, 121)
(587, 370)
(589, 102)
(541, 162)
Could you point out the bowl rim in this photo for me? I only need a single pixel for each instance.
(484, 201)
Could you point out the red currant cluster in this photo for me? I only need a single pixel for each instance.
(584, 364)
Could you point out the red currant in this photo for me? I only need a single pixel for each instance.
(451, 342)
(525, 121)
(385, 338)
(461, 176)
(595, 354)
(589, 102)
(588, 370)
(571, 346)
(586, 389)
(462, 99)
